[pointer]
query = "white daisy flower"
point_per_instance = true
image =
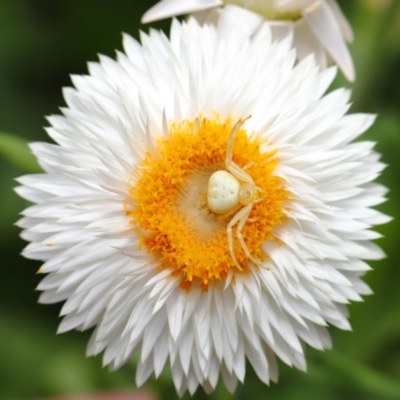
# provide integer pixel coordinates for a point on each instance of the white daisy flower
(137, 237)
(318, 26)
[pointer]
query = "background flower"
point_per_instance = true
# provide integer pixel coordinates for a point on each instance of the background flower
(318, 26)
(363, 363)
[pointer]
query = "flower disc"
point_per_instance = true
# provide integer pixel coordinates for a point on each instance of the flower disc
(171, 200)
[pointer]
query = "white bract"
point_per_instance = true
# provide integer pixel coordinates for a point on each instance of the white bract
(318, 26)
(108, 248)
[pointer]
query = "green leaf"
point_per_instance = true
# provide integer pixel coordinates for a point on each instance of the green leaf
(17, 152)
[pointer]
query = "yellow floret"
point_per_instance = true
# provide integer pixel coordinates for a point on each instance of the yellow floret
(171, 201)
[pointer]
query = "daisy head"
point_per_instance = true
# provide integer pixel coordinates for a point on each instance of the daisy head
(318, 26)
(204, 204)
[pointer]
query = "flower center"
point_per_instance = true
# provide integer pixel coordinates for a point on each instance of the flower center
(171, 214)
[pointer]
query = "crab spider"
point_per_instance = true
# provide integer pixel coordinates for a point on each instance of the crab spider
(233, 190)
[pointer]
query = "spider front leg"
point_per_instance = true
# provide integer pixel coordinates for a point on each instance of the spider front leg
(231, 138)
(239, 235)
(241, 217)
(239, 173)
(230, 165)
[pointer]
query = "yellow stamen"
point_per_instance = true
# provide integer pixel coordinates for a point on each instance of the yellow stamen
(171, 215)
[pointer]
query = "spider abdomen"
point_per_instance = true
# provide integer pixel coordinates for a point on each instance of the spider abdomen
(223, 192)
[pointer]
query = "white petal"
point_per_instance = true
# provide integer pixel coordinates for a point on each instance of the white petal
(170, 8)
(326, 28)
(234, 17)
(344, 24)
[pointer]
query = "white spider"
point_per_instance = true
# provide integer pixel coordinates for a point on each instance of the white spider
(230, 190)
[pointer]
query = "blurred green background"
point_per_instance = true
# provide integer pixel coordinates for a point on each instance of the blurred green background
(41, 43)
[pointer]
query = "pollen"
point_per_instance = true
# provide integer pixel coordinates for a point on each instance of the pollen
(171, 214)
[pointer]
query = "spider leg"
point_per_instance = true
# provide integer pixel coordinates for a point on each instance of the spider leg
(250, 164)
(244, 212)
(239, 235)
(238, 172)
(229, 144)
(230, 246)
(230, 165)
